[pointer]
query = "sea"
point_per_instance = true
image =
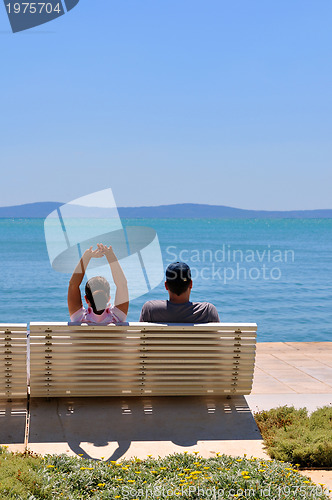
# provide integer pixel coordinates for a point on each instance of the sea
(273, 272)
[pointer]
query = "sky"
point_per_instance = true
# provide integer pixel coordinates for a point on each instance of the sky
(177, 101)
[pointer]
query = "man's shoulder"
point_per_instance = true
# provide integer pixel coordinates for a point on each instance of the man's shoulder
(155, 304)
(153, 310)
(204, 304)
(207, 310)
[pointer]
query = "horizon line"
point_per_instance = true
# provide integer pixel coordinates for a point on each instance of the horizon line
(178, 204)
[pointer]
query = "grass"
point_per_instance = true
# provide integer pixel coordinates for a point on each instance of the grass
(20, 476)
(187, 476)
(294, 436)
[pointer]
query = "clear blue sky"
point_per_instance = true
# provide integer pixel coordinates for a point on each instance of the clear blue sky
(173, 101)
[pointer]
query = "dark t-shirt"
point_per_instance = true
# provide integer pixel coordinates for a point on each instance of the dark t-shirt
(164, 311)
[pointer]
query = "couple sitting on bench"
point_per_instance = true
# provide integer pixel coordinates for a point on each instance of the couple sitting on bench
(178, 309)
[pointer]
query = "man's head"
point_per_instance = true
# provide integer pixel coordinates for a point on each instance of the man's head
(97, 293)
(178, 279)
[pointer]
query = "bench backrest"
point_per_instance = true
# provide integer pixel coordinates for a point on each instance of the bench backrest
(13, 360)
(141, 359)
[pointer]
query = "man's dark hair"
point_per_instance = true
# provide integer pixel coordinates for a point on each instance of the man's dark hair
(178, 287)
(97, 291)
(178, 277)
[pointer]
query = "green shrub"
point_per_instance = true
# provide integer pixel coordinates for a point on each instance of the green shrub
(20, 476)
(293, 436)
(187, 476)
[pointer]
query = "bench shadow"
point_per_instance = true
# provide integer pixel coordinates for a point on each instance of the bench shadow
(122, 421)
(13, 417)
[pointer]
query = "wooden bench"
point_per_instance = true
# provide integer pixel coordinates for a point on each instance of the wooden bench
(141, 359)
(13, 361)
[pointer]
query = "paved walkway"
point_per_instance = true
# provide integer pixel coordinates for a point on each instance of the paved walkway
(293, 368)
(292, 373)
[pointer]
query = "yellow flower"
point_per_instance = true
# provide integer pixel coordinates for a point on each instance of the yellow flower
(50, 466)
(206, 467)
(245, 472)
(239, 459)
(80, 454)
(131, 480)
(154, 472)
(246, 477)
(196, 452)
(137, 472)
(101, 485)
(162, 468)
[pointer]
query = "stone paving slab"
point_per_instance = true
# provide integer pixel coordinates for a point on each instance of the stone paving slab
(293, 367)
(259, 402)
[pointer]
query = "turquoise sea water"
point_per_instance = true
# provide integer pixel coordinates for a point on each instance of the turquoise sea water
(275, 272)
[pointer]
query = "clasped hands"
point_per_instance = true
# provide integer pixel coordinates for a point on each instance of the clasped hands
(101, 251)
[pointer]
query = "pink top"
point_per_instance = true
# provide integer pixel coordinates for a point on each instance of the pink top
(111, 315)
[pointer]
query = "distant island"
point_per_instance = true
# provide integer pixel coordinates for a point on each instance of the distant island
(178, 211)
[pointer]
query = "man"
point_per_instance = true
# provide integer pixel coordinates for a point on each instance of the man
(178, 309)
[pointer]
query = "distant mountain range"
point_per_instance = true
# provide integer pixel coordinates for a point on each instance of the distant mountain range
(178, 211)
